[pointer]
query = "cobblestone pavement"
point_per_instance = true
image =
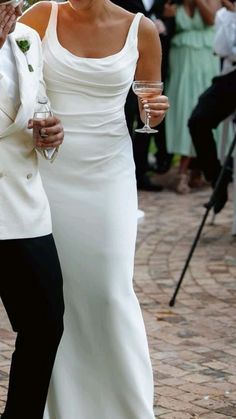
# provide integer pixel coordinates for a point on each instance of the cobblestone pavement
(193, 345)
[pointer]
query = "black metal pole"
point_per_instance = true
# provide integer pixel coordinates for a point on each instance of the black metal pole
(208, 206)
(172, 301)
(221, 175)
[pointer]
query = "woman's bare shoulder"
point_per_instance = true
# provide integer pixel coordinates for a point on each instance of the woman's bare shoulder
(37, 17)
(121, 14)
(148, 33)
(147, 28)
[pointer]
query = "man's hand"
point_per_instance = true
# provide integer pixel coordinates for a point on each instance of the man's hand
(229, 5)
(50, 133)
(7, 19)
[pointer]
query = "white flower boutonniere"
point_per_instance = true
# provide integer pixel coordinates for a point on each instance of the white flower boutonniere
(24, 45)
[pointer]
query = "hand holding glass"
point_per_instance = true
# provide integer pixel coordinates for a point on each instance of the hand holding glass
(147, 90)
(42, 112)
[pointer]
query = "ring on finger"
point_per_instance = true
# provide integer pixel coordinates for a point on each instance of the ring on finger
(42, 133)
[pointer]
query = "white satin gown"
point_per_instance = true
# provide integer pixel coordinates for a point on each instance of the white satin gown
(102, 369)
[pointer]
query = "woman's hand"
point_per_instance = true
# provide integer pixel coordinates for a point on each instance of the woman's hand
(7, 20)
(51, 133)
(155, 108)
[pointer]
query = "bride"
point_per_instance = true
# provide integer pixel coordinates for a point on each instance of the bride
(93, 49)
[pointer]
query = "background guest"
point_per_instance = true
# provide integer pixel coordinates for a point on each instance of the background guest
(162, 15)
(217, 103)
(192, 66)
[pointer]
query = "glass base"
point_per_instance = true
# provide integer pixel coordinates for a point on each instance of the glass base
(146, 130)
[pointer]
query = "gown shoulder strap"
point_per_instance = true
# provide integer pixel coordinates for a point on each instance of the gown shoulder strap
(133, 30)
(52, 23)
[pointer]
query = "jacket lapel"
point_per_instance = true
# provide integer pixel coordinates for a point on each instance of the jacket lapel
(6, 104)
(141, 6)
(157, 8)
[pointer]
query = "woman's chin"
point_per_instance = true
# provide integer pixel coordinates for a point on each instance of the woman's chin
(81, 4)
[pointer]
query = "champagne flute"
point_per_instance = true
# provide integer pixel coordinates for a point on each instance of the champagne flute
(147, 90)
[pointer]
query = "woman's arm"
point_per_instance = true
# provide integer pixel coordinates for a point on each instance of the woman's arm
(37, 17)
(149, 68)
(208, 9)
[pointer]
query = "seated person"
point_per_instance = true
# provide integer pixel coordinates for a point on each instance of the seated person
(217, 103)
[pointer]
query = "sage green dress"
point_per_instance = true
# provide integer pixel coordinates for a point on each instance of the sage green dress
(192, 66)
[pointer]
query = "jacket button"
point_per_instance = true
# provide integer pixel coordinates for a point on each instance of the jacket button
(29, 176)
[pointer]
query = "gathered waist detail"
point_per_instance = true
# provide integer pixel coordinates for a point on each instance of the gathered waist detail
(194, 38)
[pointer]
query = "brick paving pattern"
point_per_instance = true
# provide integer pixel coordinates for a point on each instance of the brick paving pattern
(193, 345)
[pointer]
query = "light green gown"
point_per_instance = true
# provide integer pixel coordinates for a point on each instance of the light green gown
(191, 68)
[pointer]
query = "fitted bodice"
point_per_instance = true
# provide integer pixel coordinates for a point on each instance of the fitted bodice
(184, 22)
(192, 31)
(91, 92)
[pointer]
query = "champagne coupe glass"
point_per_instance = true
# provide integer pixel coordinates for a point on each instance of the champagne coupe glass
(147, 90)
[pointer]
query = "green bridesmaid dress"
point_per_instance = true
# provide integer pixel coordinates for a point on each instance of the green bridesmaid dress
(191, 69)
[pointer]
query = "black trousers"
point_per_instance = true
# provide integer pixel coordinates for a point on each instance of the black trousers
(214, 105)
(32, 294)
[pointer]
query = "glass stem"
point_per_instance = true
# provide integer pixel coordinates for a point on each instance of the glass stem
(147, 121)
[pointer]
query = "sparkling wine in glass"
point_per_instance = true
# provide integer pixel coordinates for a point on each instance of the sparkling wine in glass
(147, 90)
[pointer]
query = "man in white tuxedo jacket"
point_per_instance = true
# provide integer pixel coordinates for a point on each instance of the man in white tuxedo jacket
(30, 275)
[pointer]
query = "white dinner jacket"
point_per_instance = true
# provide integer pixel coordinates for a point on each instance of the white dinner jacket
(24, 208)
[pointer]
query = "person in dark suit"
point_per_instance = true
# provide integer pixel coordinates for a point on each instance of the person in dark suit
(156, 10)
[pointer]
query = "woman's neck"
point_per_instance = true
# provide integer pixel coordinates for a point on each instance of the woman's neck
(91, 10)
(190, 7)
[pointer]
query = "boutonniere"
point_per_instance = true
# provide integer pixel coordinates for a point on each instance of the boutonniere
(24, 45)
